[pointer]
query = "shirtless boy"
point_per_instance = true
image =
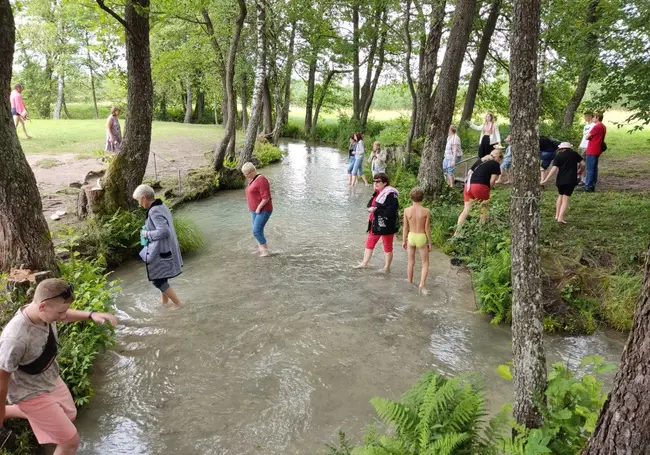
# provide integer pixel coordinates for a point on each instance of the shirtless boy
(417, 235)
(29, 373)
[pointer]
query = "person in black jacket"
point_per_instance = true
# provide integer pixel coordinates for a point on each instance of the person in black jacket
(383, 221)
(567, 163)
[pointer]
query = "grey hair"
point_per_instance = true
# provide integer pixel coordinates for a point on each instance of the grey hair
(248, 167)
(144, 191)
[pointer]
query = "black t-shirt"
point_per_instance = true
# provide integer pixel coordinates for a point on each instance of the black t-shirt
(547, 144)
(567, 162)
(351, 149)
(484, 170)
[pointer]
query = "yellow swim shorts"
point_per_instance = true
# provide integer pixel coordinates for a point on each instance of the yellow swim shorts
(417, 239)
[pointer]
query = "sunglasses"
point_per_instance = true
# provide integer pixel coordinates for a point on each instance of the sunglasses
(66, 294)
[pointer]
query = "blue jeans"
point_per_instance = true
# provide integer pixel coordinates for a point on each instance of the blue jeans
(259, 221)
(351, 164)
(592, 171)
(357, 169)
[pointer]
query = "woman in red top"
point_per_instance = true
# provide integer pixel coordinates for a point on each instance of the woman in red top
(258, 195)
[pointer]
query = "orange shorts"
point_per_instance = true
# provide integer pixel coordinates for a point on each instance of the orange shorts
(51, 415)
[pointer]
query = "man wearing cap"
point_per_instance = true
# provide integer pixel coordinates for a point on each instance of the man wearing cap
(566, 164)
(29, 373)
(18, 110)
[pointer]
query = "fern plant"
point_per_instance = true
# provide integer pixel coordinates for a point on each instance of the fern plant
(437, 416)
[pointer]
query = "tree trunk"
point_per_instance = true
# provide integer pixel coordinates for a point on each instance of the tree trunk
(163, 107)
(623, 427)
(311, 85)
(65, 108)
(428, 68)
(477, 71)
(356, 83)
(244, 101)
(92, 87)
(321, 100)
(590, 48)
(246, 153)
(199, 106)
(430, 175)
(527, 331)
(188, 101)
(24, 234)
(382, 30)
(267, 108)
(287, 76)
(409, 77)
(228, 141)
(59, 97)
(127, 169)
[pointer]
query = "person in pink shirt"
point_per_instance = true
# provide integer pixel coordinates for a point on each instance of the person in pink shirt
(18, 110)
(258, 196)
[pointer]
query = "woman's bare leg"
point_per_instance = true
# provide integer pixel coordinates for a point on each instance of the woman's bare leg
(558, 207)
(387, 261)
(367, 254)
(365, 180)
(484, 211)
(172, 295)
(164, 298)
(464, 214)
(563, 209)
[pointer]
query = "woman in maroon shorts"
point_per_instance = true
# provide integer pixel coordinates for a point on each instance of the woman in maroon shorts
(480, 179)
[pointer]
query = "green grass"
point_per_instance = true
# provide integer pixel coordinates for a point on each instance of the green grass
(83, 137)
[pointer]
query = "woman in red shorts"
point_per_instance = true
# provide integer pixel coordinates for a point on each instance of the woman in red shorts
(383, 221)
(480, 179)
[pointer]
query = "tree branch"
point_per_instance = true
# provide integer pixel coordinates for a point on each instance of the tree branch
(117, 17)
(499, 61)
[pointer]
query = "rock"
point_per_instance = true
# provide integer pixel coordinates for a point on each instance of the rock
(82, 205)
(93, 176)
(61, 212)
(55, 217)
(76, 185)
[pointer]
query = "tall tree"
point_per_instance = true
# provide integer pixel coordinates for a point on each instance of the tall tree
(127, 170)
(409, 77)
(287, 75)
(429, 176)
(624, 423)
(527, 332)
(231, 99)
(429, 47)
(246, 153)
(24, 234)
(188, 101)
(479, 63)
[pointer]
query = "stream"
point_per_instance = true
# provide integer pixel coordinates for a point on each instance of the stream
(274, 355)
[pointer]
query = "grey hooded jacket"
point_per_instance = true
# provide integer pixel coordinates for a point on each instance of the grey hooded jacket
(162, 254)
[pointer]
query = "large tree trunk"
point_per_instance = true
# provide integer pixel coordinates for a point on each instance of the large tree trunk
(428, 67)
(267, 108)
(94, 91)
(228, 141)
(409, 77)
(199, 106)
(481, 55)
(369, 92)
(590, 49)
(624, 423)
(59, 97)
(188, 101)
(65, 108)
(244, 102)
(527, 331)
(430, 174)
(321, 100)
(24, 234)
(287, 76)
(246, 153)
(311, 86)
(127, 169)
(356, 82)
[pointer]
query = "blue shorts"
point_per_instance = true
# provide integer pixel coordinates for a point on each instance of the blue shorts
(546, 158)
(350, 164)
(507, 163)
(447, 169)
(357, 168)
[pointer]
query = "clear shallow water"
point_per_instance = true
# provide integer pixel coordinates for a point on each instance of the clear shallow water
(274, 355)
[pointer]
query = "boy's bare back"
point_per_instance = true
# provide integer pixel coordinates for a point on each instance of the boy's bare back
(417, 217)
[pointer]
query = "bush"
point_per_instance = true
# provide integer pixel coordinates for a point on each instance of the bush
(395, 132)
(190, 236)
(621, 294)
(293, 130)
(266, 153)
(493, 287)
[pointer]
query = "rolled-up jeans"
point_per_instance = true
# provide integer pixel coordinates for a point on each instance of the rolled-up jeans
(259, 221)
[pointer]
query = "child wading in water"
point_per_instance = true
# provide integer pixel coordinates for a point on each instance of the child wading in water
(417, 234)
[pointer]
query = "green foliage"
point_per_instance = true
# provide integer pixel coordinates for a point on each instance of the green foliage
(492, 284)
(266, 153)
(81, 341)
(190, 236)
(395, 132)
(619, 302)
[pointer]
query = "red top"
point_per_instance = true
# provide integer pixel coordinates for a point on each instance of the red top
(373, 204)
(257, 190)
(595, 144)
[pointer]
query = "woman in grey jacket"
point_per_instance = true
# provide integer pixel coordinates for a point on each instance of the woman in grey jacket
(161, 252)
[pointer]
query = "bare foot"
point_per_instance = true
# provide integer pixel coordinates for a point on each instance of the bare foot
(265, 254)
(385, 270)
(360, 265)
(423, 291)
(561, 221)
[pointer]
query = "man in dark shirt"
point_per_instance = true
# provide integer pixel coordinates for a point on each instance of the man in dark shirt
(547, 151)
(566, 164)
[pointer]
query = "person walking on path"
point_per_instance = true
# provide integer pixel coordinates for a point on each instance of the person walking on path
(595, 147)
(161, 251)
(357, 170)
(481, 178)
(377, 159)
(113, 131)
(416, 233)
(584, 143)
(383, 221)
(351, 151)
(29, 372)
(258, 196)
(489, 135)
(453, 154)
(566, 164)
(18, 110)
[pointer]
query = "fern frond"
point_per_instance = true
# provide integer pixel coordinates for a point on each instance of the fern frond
(468, 411)
(439, 396)
(447, 444)
(393, 413)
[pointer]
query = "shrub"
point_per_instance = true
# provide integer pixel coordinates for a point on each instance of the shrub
(492, 284)
(266, 153)
(293, 130)
(395, 132)
(619, 302)
(190, 236)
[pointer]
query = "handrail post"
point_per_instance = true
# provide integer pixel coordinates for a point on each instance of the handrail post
(155, 168)
(180, 185)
